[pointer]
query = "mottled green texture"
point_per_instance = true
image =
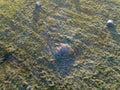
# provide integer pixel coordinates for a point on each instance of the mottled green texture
(28, 37)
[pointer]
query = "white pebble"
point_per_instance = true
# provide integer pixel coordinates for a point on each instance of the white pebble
(110, 23)
(38, 4)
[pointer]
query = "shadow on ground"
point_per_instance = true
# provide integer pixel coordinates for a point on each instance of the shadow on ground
(36, 15)
(77, 5)
(62, 67)
(114, 34)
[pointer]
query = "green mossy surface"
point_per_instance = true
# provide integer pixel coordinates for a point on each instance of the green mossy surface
(27, 45)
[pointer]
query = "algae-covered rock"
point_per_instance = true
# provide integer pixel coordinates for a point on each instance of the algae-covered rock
(88, 57)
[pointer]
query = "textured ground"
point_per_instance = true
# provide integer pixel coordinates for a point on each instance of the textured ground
(28, 37)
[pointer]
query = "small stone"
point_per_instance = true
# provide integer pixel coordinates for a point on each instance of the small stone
(38, 4)
(64, 51)
(110, 23)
